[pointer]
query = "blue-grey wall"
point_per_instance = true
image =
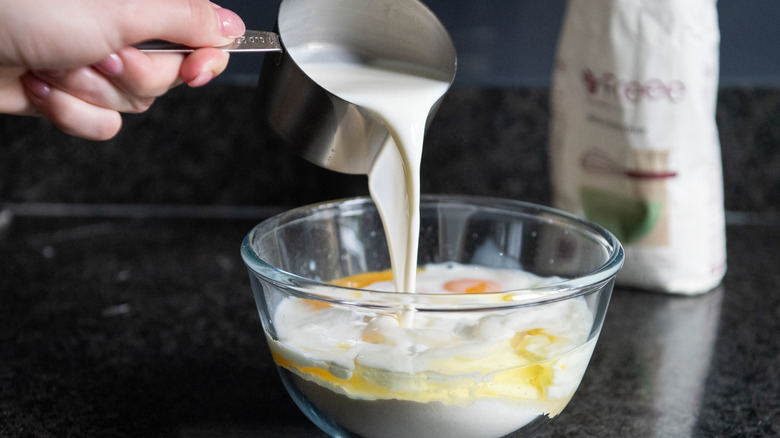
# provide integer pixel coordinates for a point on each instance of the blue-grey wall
(512, 42)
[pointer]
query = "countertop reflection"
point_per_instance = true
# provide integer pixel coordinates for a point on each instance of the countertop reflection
(147, 327)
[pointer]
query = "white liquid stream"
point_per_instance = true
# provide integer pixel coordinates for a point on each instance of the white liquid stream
(403, 102)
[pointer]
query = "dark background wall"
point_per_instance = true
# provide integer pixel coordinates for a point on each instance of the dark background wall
(512, 42)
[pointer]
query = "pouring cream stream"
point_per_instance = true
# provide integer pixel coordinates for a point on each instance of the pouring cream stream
(403, 101)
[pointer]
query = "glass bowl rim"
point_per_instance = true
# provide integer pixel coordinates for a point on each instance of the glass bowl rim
(308, 288)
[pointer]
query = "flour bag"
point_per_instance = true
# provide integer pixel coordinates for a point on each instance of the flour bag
(633, 140)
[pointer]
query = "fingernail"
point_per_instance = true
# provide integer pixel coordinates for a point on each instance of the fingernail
(230, 23)
(36, 87)
(201, 79)
(111, 65)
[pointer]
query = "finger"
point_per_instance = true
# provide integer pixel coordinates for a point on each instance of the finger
(91, 86)
(139, 76)
(129, 80)
(142, 74)
(13, 99)
(96, 28)
(197, 23)
(203, 65)
(71, 114)
(150, 75)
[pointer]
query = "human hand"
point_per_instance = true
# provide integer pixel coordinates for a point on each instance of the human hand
(72, 61)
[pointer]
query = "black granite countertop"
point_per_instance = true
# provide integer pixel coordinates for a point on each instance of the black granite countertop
(125, 309)
(147, 327)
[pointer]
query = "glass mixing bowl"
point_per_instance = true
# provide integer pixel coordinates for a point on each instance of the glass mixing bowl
(378, 363)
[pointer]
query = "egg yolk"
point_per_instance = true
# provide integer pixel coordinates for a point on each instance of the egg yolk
(360, 281)
(472, 286)
(460, 285)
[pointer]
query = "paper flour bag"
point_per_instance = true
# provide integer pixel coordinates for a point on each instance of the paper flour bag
(633, 141)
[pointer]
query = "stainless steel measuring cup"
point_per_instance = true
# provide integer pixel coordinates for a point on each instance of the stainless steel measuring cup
(319, 125)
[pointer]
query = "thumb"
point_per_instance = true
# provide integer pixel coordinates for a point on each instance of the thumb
(196, 23)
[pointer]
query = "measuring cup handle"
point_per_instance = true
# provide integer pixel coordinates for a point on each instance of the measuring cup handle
(250, 41)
